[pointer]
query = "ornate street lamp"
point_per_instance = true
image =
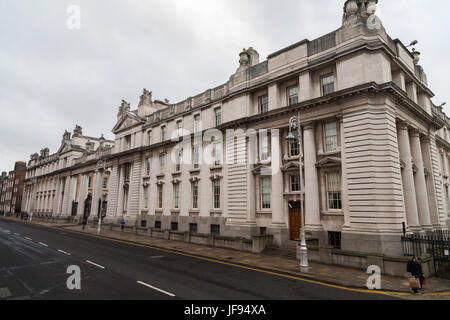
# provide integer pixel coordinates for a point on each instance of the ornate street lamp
(101, 164)
(295, 136)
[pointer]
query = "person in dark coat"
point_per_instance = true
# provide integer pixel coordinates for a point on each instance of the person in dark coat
(421, 274)
(84, 224)
(415, 269)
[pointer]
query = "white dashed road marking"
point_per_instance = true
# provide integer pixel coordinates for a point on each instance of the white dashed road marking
(43, 244)
(157, 289)
(94, 264)
(28, 238)
(64, 252)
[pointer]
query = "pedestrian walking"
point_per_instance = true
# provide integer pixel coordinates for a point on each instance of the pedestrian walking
(122, 225)
(415, 269)
(422, 277)
(84, 224)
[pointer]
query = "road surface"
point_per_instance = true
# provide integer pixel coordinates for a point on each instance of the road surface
(34, 262)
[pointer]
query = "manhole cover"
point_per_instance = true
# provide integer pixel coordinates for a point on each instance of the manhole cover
(5, 293)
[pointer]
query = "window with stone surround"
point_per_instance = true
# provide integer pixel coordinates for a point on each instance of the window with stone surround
(195, 195)
(163, 133)
(216, 194)
(145, 191)
(265, 193)
(160, 196)
(150, 137)
(263, 104)
(196, 156)
(292, 95)
(331, 136)
(334, 187)
(217, 150)
(162, 160)
(294, 183)
(148, 166)
(264, 146)
(218, 116)
(294, 149)
(327, 83)
(176, 196)
(196, 123)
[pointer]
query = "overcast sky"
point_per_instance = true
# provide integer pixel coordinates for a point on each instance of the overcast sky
(52, 78)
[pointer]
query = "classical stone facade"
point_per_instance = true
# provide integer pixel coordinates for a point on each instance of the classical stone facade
(375, 150)
(71, 183)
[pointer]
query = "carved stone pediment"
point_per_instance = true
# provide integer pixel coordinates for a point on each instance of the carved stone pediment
(291, 165)
(262, 170)
(329, 162)
(127, 120)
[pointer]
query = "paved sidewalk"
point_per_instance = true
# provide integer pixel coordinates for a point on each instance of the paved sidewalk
(342, 276)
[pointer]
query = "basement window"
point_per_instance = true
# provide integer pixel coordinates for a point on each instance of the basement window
(334, 239)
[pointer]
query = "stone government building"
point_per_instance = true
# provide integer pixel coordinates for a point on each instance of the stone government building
(375, 153)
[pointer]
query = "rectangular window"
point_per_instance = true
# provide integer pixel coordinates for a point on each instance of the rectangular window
(90, 182)
(331, 137)
(160, 197)
(195, 195)
(217, 149)
(145, 191)
(127, 143)
(150, 137)
(294, 149)
(292, 94)
(218, 116)
(176, 196)
(196, 123)
(327, 84)
(265, 193)
(263, 103)
(193, 228)
(216, 194)
(163, 133)
(105, 183)
(174, 226)
(157, 224)
(295, 183)
(127, 170)
(178, 158)
(263, 231)
(196, 157)
(263, 146)
(162, 158)
(333, 181)
(215, 229)
(143, 223)
(148, 166)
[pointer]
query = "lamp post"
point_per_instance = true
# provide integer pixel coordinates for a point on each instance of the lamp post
(101, 163)
(295, 135)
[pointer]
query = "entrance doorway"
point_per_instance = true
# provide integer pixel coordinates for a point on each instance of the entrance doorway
(295, 219)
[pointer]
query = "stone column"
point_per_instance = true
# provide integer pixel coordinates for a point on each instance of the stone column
(344, 190)
(277, 197)
(67, 198)
(113, 194)
(431, 190)
(119, 211)
(412, 214)
(312, 200)
(135, 189)
(96, 195)
(420, 183)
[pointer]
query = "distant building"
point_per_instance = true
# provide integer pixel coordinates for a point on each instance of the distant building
(3, 187)
(70, 182)
(13, 189)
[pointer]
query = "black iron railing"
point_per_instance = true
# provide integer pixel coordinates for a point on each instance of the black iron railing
(437, 245)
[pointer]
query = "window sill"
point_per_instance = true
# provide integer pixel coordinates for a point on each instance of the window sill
(333, 213)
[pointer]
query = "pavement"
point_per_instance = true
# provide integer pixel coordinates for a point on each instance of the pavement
(346, 281)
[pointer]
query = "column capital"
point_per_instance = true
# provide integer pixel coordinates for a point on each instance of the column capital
(309, 125)
(415, 133)
(402, 125)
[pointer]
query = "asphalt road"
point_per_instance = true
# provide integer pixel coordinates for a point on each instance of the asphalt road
(34, 262)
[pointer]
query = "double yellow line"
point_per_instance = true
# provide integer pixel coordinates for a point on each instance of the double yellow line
(251, 268)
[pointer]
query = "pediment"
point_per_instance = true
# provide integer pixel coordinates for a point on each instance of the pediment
(262, 170)
(329, 162)
(128, 120)
(292, 165)
(65, 146)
